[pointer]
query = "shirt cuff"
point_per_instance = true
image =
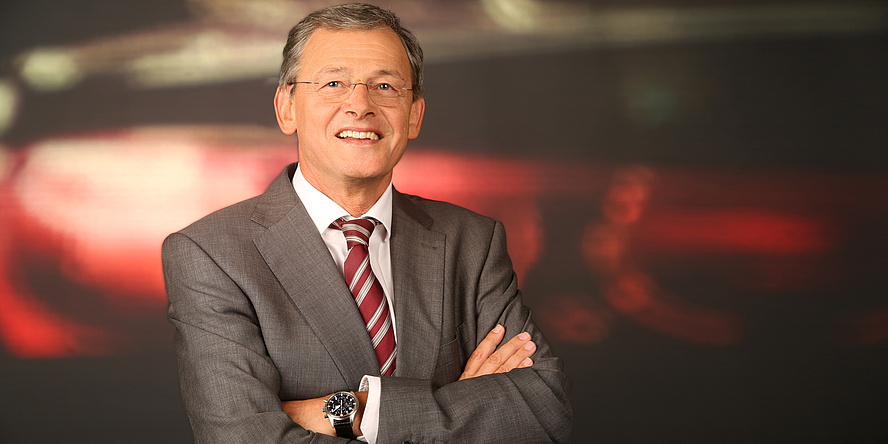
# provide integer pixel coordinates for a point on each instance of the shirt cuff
(370, 420)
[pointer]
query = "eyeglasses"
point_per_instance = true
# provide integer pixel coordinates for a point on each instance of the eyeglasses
(382, 93)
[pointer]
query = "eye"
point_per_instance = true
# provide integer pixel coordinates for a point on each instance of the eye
(334, 84)
(385, 87)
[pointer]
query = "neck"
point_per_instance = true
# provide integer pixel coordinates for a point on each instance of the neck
(354, 196)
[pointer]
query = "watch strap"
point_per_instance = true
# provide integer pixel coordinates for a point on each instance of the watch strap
(344, 428)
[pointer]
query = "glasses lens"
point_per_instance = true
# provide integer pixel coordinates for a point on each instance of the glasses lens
(384, 93)
(334, 89)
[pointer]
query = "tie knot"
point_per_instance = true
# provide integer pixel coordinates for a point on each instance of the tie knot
(356, 231)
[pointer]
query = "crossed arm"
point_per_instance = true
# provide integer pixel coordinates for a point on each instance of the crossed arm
(232, 381)
(485, 360)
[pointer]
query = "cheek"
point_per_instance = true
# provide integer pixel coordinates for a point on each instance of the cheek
(314, 117)
(399, 119)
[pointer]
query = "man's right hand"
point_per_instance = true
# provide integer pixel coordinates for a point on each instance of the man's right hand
(486, 359)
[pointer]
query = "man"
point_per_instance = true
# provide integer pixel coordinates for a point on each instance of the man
(268, 331)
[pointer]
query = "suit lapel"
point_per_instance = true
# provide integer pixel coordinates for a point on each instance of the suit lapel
(297, 255)
(418, 274)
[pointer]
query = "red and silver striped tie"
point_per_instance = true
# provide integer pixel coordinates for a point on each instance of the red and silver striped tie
(367, 291)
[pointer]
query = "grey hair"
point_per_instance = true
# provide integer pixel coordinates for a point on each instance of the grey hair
(353, 16)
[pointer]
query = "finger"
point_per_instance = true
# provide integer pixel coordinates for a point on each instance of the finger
(483, 351)
(519, 359)
(496, 360)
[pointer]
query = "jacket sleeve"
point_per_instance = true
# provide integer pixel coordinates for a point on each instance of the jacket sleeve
(526, 405)
(229, 384)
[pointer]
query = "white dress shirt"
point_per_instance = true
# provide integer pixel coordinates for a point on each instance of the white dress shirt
(323, 211)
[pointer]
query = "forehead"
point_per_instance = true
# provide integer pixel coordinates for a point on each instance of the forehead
(355, 52)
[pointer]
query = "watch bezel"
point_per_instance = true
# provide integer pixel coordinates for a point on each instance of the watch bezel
(350, 414)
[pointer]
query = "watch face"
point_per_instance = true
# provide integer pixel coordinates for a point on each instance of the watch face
(341, 404)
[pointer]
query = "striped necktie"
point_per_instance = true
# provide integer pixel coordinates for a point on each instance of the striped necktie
(367, 291)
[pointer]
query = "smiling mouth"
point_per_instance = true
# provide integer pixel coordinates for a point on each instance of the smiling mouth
(359, 135)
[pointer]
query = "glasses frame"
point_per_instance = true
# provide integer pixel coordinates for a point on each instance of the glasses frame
(353, 86)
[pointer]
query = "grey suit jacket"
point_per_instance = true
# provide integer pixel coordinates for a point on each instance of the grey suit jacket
(262, 314)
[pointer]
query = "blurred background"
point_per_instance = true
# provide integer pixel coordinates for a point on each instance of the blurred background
(695, 194)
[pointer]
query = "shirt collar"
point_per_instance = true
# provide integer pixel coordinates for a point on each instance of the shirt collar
(323, 211)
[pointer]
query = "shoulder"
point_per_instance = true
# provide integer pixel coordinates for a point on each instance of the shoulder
(464, 229)
(234, 217)
(226, 226)
(243, 221)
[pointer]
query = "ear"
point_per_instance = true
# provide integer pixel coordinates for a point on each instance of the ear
(417, 111)
(283, 109)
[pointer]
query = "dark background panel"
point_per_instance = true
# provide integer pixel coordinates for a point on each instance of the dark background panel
(698, 218)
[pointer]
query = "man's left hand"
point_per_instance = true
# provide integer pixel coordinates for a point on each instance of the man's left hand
(487, 359)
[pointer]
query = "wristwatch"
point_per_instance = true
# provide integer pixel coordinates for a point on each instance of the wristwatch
(340, 407)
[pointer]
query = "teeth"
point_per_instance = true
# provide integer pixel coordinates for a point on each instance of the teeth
(359, 135)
